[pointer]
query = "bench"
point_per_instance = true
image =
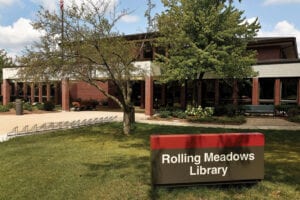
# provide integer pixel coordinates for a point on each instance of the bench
(259, 109)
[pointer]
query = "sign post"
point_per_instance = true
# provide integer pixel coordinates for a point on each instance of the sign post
(207, 158)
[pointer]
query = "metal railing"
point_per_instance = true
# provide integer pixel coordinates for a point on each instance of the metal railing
(52, 126)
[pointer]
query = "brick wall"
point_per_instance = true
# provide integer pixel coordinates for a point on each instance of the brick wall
(85, 91)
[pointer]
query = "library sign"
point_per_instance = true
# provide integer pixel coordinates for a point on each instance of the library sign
(207, 158)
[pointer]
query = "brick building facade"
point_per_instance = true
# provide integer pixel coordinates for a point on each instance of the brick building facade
(278, 82)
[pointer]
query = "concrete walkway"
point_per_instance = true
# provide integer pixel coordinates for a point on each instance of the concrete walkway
(8, 122)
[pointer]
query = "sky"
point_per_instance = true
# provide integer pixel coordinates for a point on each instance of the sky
(277, 18)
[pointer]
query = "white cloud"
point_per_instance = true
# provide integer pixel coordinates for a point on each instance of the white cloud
(272, 2)
(7, 2)
(130, 18)
(16, 37)
(283, 29)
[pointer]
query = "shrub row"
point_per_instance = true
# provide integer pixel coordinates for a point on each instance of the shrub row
(4, 108)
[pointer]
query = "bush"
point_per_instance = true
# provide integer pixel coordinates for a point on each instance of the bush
(165, 114)
(199, 112)
(295, 118)
(292, 112)
(39, 106)
(49, 106)
(88, 104)
(4, 108)
(179, 114)
(27, 106)
(10, 105)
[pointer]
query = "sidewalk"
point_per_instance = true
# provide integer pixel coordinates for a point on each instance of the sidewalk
(8, 122)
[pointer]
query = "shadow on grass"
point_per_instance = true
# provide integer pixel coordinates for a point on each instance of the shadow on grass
(120, 167)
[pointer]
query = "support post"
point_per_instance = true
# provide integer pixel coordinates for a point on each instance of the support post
(142, 105)
(40, 93)
(6, 92)
(277, 92)
(149, 96)
(65, 95)
(32, 93)
(255, 91)
(48, 91)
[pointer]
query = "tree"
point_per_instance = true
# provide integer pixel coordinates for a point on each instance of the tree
(205, 36)
(89, 49)
(5, 61)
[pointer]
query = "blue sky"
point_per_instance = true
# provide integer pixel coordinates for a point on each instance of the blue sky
(277, 18)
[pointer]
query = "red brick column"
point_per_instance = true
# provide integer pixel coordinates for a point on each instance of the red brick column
(277, 92)
(6, 92)
(142, 106)
(255, 91)
(149, 95)
(235, 91)
(40, 93)
(32, 92)
(65, 94)
(48, 91)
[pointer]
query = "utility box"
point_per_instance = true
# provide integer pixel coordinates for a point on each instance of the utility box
(19, 107)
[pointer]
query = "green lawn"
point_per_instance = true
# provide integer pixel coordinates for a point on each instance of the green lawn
(100, 163)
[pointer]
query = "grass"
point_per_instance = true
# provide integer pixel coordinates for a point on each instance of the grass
(98, 162)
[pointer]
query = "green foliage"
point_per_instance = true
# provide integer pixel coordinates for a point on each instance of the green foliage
(5, 61)
(49, 106)
(293, 111)
(204, 36)
(27, 106)
(199, 112)
(179, 114)
(39, 106)
(4, 108)
(295, 118)
(10, 105)
(165, 114)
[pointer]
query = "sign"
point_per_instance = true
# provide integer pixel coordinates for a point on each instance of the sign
(207, 158)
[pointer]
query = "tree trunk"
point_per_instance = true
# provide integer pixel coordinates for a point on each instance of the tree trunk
(128, 119)
(126, 122)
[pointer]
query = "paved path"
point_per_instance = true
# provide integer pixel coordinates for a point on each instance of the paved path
(8, 122)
